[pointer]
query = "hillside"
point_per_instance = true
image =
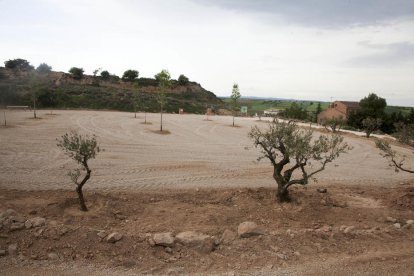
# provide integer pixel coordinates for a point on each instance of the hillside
(61, 90)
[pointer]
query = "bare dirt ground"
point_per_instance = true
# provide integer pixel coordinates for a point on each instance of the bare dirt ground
(201, 177)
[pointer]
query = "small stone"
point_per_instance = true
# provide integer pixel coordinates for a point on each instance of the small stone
(2, 252)
(201, 242)
(391, 219)
(249, 228)
(114, 237)
(397, 225)
(102, 234)
(28, 224)
(410, 221)
(326, 228)
(322, 190)
(38, 221)
(282, 256)
(8, 213)
(163, 239)
(151, 241)
(275, 248)
(19, 219)
(52, 256)
(12, 249)
(349, 229)
(120, 217)
(16, 226)
(227, 237)
(168, 250)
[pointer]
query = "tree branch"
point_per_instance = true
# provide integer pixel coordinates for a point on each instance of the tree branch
(399, 166)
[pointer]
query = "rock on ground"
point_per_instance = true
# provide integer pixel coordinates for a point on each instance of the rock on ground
(38, 221)
(12, 249)
(101, 234)
(249, 228)
(8, 213)
(163, 239)
(203, 243)
(227, 237)
(391, 219)
(52, 256)
(16, 226)
(113, 237)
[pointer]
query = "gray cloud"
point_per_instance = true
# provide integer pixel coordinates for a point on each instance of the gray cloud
(323, 13)
(384, 54)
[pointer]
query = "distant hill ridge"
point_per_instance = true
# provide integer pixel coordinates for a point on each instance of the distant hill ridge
(61, 90)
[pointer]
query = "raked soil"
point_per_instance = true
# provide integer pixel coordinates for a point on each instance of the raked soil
(202, 176)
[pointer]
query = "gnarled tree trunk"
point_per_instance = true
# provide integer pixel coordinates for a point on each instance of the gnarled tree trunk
(81, 199)
(282, 194)
(80, 186)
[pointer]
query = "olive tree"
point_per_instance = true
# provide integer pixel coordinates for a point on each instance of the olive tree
(164, 82)
(34, 85)
(405, 133)
(105, 75)
(391, 155)
(76, 72)
(136, 95)
(235, 99)
(183, 80)
(370, 125)
(334, 124)
(18, 64)
(130, 75)
(43, 68)
(290, 148)
(80, 148)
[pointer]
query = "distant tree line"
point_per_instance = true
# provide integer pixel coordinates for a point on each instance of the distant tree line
(33, 87)
(130, 75)
(371, 116)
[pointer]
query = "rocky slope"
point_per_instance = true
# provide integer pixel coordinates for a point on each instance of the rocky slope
(61, 90)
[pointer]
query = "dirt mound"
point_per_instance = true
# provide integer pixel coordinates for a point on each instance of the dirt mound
(347, 224)
(405, 200)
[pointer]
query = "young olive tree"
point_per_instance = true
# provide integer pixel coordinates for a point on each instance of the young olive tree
(285, 144)
(136, 95)
(76, 72)
(371, 124)
(34, 85)
(235, 99)
(405, 133)
(391, 155)
(334, 124)
(164, 82)
(80, 148)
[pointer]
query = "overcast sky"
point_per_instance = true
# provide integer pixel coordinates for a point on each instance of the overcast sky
(310, 49)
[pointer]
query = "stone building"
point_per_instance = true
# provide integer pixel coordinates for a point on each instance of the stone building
(338, 110)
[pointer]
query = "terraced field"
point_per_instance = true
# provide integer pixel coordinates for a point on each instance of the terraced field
(198, 153)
